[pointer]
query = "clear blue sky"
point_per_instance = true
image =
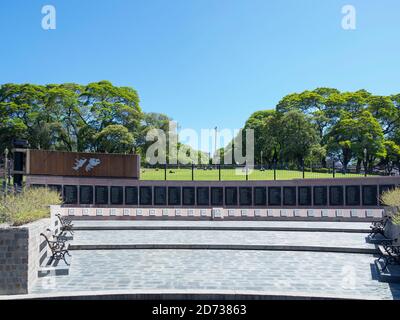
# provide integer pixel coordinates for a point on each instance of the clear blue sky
(204, 62)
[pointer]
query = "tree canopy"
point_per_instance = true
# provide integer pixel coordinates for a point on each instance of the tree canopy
(319, 126)
(98, 117)
(326, 124)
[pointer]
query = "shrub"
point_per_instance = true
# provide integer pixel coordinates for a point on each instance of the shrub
(317, 170)
(30, 205)
(391, 198)
(323, 170)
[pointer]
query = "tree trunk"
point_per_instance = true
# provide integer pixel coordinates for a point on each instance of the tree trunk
(323, 162)
(358, 166)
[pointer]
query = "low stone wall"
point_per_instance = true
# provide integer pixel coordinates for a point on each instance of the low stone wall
(22, 249)
(219, 213)
(392, 231)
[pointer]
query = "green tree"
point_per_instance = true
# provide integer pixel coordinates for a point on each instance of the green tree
(107, 105)
(352, 136)
(369, 138)
(340, 140)
(385, 111)
(299, 136)
(264, 123)
(114, 138)
(392, 156)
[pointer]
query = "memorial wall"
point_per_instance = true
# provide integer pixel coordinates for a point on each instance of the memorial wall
(91, 179)
(312, 193)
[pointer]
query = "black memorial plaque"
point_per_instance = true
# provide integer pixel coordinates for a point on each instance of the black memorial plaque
(55, 187)
(320, 196)
(353, 195)
(117, 195)
(260, 196)
(70, 194)
(336, 196)
(203, 196)
(217, 196)
(189, 196)
(101, 195)
(174, 196)
(38, 186)
(245, 196)
(274, 196)
(383, 188)
(145, 196)
(304, 196)
(289, 196)
(231, 196)
(131, 196)
(86, 194)
(370, 195)
(160, 196)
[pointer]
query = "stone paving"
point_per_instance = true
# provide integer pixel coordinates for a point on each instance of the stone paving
(228, 224)
(285, 238)
(314, 273)
(303, 273)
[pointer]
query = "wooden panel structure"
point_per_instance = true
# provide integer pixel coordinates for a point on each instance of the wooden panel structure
(77, 164)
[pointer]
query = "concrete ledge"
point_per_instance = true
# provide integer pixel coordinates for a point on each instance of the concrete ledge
(188, 294)
(221, 247)
(294, 229)
(226, 218)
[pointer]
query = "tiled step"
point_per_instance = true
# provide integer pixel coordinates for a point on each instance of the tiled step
(345, 227)
(222, 247)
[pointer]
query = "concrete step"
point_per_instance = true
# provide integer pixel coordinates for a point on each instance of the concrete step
(294, 229)
(221, 247)
(344, 227)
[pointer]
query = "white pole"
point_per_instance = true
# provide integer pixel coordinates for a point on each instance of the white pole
(216, 132)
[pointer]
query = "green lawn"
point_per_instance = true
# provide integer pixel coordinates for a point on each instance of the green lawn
(230, 174)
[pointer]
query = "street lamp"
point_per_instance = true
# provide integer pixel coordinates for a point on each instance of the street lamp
(365, 161)
(5, 168)
(215, 141)
(261, 162)
(178, 127)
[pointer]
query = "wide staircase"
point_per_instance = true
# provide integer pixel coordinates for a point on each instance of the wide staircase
(228, 259)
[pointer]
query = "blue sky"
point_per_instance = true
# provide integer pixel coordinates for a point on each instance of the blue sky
(204, 62)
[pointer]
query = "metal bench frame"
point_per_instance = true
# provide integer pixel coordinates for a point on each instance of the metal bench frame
(58, 249)
(378, 227)
(59, 238)
(66, 224)
(389, 253)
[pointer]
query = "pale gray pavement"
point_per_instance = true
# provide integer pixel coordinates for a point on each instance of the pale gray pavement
(294, 272)
(286, 238)
(324, 274)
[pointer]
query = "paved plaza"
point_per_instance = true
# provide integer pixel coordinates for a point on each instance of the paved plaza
(273, 273)
(296, 273)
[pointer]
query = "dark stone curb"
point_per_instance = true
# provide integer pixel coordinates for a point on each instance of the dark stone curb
(292, 229)
(220, 247)
(390, 275)
(181, 295)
